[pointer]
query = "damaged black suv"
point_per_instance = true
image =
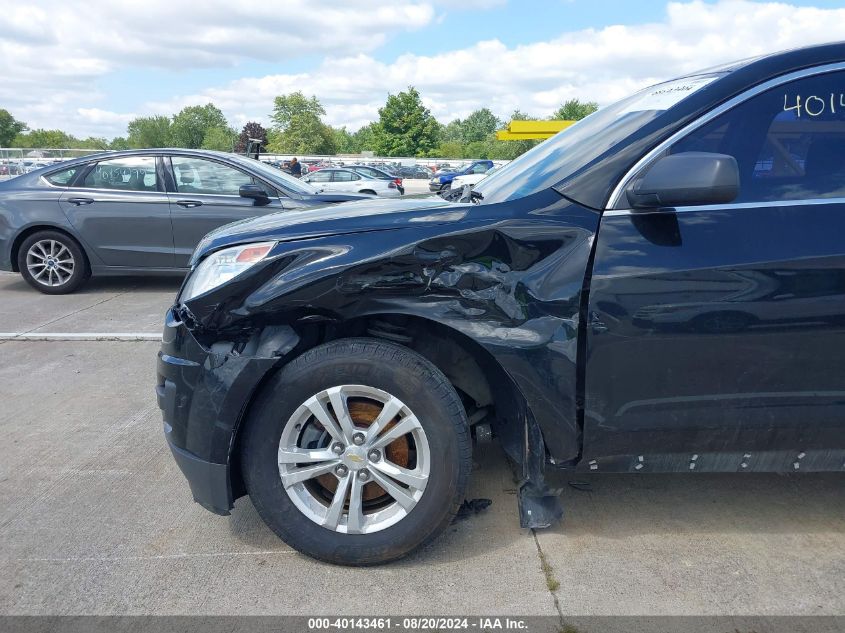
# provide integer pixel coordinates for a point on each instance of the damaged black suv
(659, 288)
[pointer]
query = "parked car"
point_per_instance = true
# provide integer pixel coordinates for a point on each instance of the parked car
(416, 173)
(442, 180)
(134, 212)
(10, 169)
(380, 173)
(349, 180)
(471, 179)
(332, 364)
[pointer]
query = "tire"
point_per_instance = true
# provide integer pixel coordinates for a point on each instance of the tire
(53, 263)
(440, 448)
(369, 191)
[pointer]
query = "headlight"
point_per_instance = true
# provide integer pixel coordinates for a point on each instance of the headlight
(218, 268)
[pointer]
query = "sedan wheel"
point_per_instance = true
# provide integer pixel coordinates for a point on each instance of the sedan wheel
(358, 452)
(52, 262)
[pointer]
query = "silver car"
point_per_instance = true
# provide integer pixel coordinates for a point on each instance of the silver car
(350, 181)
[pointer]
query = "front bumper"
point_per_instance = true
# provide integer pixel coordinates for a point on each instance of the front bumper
(434, 186)
(210, 483)
(203, 394)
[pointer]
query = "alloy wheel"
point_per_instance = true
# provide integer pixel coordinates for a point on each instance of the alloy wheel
(354, 459)
(50, 263)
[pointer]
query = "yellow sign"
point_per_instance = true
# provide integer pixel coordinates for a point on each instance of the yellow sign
(523, 130)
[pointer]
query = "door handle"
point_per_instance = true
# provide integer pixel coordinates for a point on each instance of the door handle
(80, 201)
(189, 204)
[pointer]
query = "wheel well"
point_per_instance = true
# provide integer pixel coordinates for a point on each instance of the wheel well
(370, 191)
(16, 244)
(473, 371)
(485, 389)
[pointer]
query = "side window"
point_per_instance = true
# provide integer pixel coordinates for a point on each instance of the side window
(197, 175)
(61, 178)
(789, 142)
(343, 176)
(130, 173)
(479, 169)
(323, 175)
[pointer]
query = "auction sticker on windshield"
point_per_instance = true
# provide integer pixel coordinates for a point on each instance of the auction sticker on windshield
(664, 96)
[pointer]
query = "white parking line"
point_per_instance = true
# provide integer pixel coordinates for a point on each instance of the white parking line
(160, 557)
(80, 336)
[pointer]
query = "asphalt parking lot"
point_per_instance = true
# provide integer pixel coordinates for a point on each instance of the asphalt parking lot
(95, 517)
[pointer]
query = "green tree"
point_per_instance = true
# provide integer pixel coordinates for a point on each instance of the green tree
(285, 107)
(453, 132)
(406, 127)
(478, 149)
(92, 142)
(119, 142)
(344, 142)
(149, 131)
(479, 126)
(575, 110)
(10, 127)
(190, 126)
(298, 128)
(220, 138)
(45, 138)
(365, 137)
(305, 134)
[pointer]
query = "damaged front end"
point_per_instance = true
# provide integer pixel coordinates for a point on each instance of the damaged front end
(202, 393)
(493, 299)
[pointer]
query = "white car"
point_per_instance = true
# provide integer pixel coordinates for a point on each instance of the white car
(470, 179)
(349, 181)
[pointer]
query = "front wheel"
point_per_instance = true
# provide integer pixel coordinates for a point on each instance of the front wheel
(52, 262)
(357, 452)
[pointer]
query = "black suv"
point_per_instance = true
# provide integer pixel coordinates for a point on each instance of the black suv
(659, 288)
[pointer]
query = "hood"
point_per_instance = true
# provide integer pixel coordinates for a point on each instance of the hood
(371, 214)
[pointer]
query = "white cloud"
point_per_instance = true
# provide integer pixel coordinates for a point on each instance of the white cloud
(601, 65)
(596, 64)
(52, 53)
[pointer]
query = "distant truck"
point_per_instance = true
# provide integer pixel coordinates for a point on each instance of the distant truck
(442, 180)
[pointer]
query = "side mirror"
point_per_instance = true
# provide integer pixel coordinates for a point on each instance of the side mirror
(253, 191)
(688, 178)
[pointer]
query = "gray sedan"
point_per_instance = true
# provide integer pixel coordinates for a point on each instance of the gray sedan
(134, 212)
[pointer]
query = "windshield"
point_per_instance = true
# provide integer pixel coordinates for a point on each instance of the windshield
(275, 176)
(554, 160)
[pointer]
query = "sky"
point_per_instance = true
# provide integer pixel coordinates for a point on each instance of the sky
(89, 67)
